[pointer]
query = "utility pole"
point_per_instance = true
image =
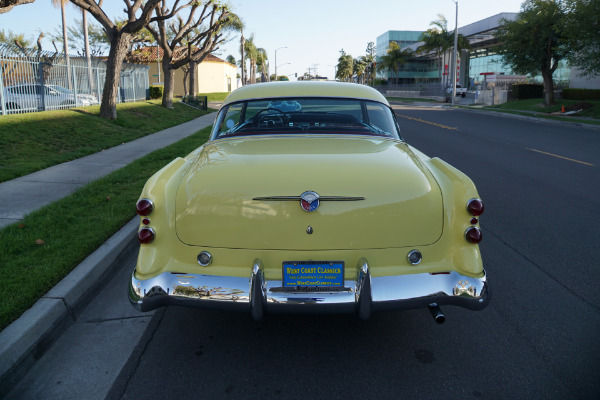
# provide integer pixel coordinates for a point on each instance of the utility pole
(454, 54)
(276, 61)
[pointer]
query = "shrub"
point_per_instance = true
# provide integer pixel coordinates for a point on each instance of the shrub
(522, 91)
(156, 92)
(581, 94)
(582, 105)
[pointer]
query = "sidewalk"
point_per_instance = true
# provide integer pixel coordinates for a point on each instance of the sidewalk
(26, 339)
(28, 193)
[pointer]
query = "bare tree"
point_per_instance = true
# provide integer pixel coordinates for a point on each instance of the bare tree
(201, 34)
(120, 37)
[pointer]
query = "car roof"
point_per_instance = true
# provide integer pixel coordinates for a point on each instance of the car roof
(305, 89)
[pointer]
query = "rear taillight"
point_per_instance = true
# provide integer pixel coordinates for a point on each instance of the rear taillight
(473, 235)
(144, 207)
(475, 207)
(146, 235)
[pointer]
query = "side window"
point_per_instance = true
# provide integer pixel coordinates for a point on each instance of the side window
(381, 117)
(230, 119)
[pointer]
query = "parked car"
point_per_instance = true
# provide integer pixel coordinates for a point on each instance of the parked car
(28, 97)
(460, 91)
(307, 199)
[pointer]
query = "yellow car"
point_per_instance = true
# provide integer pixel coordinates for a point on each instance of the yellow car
(306, 199)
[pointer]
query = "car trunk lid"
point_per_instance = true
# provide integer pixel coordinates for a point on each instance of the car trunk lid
(221, 199)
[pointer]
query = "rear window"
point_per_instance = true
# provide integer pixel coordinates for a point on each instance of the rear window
(307, 116)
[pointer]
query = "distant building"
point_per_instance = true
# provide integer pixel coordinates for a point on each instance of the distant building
(475, 67)
(212, 74)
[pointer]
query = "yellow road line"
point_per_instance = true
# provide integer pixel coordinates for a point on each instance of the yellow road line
(564, 158)
(452, 128)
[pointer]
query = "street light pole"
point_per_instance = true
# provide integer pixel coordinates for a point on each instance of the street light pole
(454, 54)
(276, 61)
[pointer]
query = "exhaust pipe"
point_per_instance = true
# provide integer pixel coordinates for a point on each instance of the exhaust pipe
(437, 314)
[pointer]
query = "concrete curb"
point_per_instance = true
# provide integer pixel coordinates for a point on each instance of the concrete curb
(26, 339)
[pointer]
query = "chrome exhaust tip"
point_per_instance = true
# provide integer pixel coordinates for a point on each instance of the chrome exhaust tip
(437, 314)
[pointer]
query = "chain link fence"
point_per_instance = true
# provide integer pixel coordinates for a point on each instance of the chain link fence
(32, 80)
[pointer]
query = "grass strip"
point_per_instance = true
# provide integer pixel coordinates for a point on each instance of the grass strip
(38, 252)
(412, 99)
(540, 115)
(34, 141)
(589, 108)
(217, 96)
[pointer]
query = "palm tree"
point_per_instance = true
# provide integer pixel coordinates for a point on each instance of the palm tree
(359, 67)
(61, 4)
(251, 55)
(263, 64)
(440, 41)
(369, 59)
(345, 67)
(394, 59)
(235, 23)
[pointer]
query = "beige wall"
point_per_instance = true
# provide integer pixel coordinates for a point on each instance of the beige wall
(212, 77)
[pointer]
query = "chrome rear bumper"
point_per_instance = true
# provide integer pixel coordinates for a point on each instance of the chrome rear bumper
(362, 295)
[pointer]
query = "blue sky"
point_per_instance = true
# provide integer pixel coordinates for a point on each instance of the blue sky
(312, 31)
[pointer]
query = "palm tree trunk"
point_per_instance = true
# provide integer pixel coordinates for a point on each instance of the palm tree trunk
(87, 48)
(243, 61)
(66, 44)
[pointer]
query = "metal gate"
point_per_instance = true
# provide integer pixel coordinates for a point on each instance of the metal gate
(32, 80)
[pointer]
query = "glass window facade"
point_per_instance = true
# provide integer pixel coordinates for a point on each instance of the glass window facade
(481, 59)
(417, 70)
(403, 38)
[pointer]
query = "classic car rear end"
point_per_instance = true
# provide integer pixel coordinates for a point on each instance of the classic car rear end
(306, 199)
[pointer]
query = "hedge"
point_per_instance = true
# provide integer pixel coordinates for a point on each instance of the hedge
(581, 94)
(156, 92)
(522, 91)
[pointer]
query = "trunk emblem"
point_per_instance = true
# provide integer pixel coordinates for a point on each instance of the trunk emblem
(309, 201)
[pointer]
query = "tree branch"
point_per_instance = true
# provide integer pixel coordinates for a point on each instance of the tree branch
(7, 5)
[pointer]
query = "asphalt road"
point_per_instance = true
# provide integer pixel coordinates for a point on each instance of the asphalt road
(538, 338)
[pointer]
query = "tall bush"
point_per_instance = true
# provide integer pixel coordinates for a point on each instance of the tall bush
(581, 94)
(156, 92)
(522, 91)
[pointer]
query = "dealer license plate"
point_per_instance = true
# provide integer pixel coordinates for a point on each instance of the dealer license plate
(311, 275)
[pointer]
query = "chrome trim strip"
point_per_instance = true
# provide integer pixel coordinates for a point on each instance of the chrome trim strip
(257, 295)
(287, 96)
(322, 198)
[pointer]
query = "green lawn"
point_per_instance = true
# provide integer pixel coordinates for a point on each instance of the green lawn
(34, 141)
(592, 108)
(38, 252)
(217, 96)
(411, 99)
